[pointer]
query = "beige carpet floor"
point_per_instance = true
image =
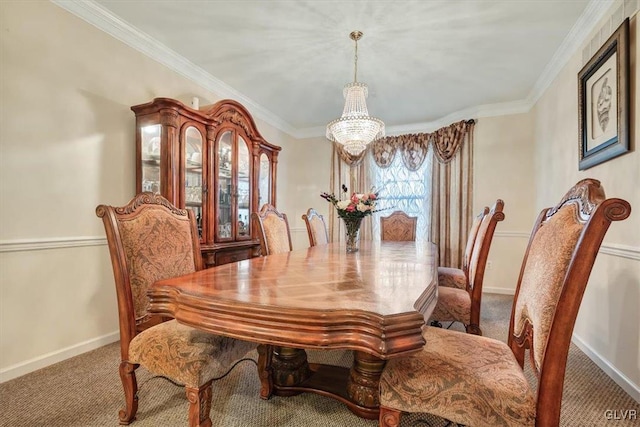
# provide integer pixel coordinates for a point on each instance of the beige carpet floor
(85, 391)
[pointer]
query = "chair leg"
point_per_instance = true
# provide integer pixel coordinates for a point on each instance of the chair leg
(265, 370)
(473, 329)
(199, 405)
(389, 417)
(130, 385)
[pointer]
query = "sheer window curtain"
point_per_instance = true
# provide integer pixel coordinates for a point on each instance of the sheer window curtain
(435, 174)
(405, 190)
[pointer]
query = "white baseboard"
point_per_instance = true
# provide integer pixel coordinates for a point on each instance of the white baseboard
(502, 291)
(43, 361)
(627, 385)
(618, 377)
(32, 365)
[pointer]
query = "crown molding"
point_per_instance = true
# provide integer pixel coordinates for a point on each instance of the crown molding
(487, 110)
(101, 18)
(593, 13)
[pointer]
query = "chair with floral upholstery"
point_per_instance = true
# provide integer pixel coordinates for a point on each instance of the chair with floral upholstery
(149, 240)
(273, 230)
(452, 277)
(398, 227)
(463, 305)
(478, 381)
(316, 228)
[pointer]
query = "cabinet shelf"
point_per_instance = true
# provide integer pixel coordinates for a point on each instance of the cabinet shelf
(212, 151)
(151, 162)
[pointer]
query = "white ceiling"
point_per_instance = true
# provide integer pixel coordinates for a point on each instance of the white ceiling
(424, 61)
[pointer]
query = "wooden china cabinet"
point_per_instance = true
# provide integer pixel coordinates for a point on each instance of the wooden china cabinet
(212, 160)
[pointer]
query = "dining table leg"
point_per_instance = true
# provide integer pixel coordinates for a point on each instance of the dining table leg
(290, 366)
(364, 379)
(285, 371)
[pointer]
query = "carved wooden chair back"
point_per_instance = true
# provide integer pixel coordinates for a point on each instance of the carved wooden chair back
(316, 228)
(471, 239)
(562, 249)
(273, 230)
(480, 255)
(555, 270)
(463, 305)
(149, 240)
(453, 277)
(398, 226)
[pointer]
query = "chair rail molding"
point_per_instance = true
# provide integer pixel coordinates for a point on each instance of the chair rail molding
(622, 251)
(614, 249)
(22, 245)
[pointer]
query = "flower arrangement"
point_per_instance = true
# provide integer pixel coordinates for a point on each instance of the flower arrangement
(355, 206)
(352, 210)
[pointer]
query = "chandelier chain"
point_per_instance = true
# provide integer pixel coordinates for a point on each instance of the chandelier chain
(355, 72)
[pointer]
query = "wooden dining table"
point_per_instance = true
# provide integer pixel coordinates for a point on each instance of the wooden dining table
(373, 302)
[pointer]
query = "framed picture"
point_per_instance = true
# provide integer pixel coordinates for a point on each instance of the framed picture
(603, 101)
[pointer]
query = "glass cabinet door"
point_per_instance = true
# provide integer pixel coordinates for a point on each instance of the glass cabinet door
(150, 149)
(264, 181)
(224, 190)
(193, 195)
(243, 193)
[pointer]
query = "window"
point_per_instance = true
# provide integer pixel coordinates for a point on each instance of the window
(403, 190)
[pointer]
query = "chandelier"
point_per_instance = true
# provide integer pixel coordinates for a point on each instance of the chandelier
(355, 129)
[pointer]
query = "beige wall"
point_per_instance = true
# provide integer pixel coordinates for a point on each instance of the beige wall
(607, 325)
(308, 163)
(503, 170)
(66, 141)
(67, 145)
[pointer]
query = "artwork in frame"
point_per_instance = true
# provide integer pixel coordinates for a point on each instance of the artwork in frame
(603, 101)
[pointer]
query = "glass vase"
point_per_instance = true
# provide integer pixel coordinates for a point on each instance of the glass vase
(352, 229)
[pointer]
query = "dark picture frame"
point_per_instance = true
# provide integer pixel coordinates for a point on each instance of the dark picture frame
(603, 101)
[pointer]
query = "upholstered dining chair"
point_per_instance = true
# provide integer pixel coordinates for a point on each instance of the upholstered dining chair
(463, 305)
(316, 228)
(398, 226)
(273, 230)
(452, 277)
(478, 381)
(149, 240)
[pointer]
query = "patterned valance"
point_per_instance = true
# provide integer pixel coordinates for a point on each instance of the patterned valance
(349, 159)
(446, 142)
